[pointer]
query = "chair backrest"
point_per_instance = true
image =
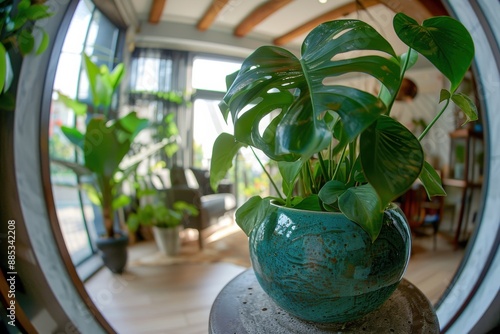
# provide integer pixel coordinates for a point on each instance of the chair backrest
(180, 176)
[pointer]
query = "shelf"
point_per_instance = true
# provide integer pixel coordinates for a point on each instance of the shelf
(460, 183)
(465, 133)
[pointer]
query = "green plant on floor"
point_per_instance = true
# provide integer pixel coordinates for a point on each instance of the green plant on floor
(105, 143)
(17, 34)
(338, 144)
(160, 215)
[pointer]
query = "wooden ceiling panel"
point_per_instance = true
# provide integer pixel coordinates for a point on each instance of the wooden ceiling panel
(258, 15)
(156, 11)
(211, 14)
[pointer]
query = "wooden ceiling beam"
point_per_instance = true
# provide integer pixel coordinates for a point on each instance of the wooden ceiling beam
(156, 11)
(331, 15)
(417, 9)
(258, 15)
(211, 14)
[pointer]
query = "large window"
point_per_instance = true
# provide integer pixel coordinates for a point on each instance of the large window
(90, 32)
(209, 80)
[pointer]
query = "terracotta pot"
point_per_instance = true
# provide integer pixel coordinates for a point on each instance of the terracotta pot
(322, 267)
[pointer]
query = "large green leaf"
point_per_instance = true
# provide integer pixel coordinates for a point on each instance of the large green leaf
(362, 205)
(267, 76)
(445, 42)
(92, 71)
(391, 157)
(224, 150)
(105, 145)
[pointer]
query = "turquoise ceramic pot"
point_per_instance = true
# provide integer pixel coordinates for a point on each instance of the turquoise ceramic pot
(322, 267)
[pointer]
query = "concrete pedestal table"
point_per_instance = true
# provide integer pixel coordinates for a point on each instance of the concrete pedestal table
(242, 307)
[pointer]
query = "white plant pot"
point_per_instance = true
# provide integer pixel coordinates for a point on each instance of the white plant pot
(168, 239)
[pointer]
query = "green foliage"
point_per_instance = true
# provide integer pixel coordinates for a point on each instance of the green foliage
(105, 143)
(17, 34)
(160, 215)
(352, 156)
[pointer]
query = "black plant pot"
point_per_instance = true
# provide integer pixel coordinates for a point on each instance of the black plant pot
(113, 252)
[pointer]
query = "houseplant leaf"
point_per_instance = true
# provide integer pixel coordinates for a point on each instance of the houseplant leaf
(75, 137)
(3, 67)
(253, 212)
(431, 181)
(120, 201)
(26, 42)
(331, 191)
(289, 171)
(467, 105)
(93, 72)
(224, 150)
(271, 69)
(44, 43)
(362, 205)
(79, 108)
(391, 157)
(445, 42)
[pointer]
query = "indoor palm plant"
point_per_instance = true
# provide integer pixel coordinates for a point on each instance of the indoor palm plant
(343, 159)
(104, 144)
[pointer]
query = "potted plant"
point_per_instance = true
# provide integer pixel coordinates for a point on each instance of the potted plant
(331, 246)
(165, 222)
(104, 145)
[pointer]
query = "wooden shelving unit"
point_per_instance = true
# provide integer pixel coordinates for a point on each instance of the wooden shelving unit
(470, 179)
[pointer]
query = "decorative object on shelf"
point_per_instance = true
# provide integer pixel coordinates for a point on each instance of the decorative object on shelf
(338, 150)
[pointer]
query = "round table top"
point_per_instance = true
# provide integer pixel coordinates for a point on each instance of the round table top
(242, 307)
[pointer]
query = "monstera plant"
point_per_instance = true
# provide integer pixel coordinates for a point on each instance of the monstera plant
(340, 143)
(331, 246)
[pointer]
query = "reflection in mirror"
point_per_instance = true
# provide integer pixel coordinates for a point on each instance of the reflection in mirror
(91, 32)
(172, 287)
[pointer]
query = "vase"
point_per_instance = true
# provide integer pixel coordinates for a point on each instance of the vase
(113, 252)
(168, 239)
(324, 268)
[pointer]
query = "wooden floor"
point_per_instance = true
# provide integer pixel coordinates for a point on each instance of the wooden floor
(175, 298)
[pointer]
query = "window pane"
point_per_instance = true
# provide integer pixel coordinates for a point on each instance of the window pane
(211, 74)
(69, 214)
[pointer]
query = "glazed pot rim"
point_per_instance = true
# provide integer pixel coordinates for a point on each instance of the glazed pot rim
(390, 207)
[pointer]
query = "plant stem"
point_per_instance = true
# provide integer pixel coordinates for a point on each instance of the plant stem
(323, 167)
(337, 168)
(267, 174)
(403, 71)
(434, 120)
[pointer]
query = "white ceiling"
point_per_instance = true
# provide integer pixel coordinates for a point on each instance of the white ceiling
(177, 28)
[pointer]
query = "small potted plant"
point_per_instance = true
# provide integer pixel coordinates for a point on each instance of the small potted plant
(166, 223)
(331, 246)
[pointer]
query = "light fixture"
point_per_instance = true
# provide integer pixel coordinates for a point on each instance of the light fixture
(322, 1)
